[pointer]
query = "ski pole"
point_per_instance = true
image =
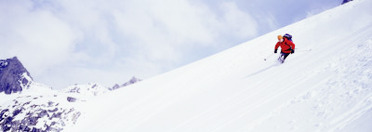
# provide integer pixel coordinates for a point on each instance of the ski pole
(268, 56)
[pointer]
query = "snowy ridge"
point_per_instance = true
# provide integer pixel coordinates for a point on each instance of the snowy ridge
(91, 89)
(40, 108)
(130, 82)
(94, 89)
(37, 109)
(325, 86)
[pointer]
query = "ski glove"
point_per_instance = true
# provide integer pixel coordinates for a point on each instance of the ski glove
(292, 51)
(275, 50)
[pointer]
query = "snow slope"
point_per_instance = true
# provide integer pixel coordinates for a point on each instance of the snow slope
(325, 86)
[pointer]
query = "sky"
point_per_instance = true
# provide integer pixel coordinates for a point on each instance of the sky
(64, 42)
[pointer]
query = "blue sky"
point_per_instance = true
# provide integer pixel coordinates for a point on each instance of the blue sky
(65, 42)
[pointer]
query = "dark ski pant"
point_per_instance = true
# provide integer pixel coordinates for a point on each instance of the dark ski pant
(283, 56)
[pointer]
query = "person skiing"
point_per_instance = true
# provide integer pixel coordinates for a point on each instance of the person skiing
(286, 45)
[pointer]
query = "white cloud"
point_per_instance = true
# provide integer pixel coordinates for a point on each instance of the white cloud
(241, 24)
(65, 42)
(160, 29)
(144, 37)
(37, 37)
(164, 30)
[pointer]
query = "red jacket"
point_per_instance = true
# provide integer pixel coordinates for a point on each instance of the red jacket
(286, 45)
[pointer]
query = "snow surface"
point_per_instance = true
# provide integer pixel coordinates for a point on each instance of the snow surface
(325, 86)
(28, 78)
(39, 108)
(3, 63)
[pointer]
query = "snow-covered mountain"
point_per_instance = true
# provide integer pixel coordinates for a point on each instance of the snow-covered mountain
(38, 108)
(94, 89)
(326, 85)
(33, 107)
(91, 89)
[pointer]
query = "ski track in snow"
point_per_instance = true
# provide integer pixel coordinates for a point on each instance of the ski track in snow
(325, 86)
(349, 90)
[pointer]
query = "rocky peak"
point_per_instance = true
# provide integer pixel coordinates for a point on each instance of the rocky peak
(13, 76)
(130, 82)
(345, 1)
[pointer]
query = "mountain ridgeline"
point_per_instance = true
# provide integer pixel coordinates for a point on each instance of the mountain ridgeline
(36, 107)
(13, 76)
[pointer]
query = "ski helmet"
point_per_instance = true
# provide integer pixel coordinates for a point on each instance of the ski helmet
(280, 37)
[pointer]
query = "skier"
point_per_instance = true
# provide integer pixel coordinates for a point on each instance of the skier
(286, 45)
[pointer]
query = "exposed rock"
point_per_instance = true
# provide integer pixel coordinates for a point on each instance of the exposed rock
(71, 99)
(39, 115)
(13, 76)
(116, 86)
(130, 82)
(345, 1)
